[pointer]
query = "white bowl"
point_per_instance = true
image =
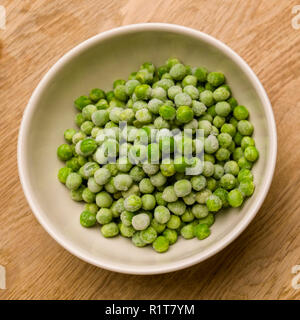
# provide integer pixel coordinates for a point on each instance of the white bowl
(96, 63)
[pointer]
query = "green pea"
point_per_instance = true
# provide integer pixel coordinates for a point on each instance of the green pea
(235, 198)
(110, 230)
(161, 244)
(201, 231)
(87, 219)
(64, 152)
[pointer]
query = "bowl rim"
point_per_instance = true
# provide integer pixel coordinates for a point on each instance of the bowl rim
(168, 266)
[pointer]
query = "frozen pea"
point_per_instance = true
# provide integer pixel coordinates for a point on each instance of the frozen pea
(148, 235)
(63, 174)
(187, 232)
(87, 219)
(201, 231)
(190, 199)
(170, 235)
(182, 188)
(126, 218)
(73, 181)
(246, 187)
(161, 244)
(126, 231)
(247, 142)
(188, 216)
(146, 186)
(137, 174)
(203, 195)
(206, 126)
(199, 211)
(88, 110)
(159, 93)
(104, 199)
(209, 220)
(224, 139)
(81, 102)
(122, 182)
(154, 105)
(173, 91)
(214, 203)
(211, 144)
(102, 176)
(189, 80)
(198, 108)
(88, 196)
(228, 181)
(110, 230)
(88, 169)
(137, 241)
(223, 154)
(219, 171)
(158, 179)
(218, 121)
(222, 194)
(64, 152)
(231, 167)
(221, 94)
(91, 207)
(100, 117)
(237, 154)
(150, 168)
(140, 221)
(76, 195)
(143, 91)
(134, 189)
(160, 123)
(229, 129)
(178, 71)
(148, 202)
(178, 207)
(167, 168)
(223, 108)
(104, 216)
(192, 91)
(216, 78)
(208, 169)
(207, 98)
(235, 198)
(133, 203)
(245, 128)
(162, 214)
(174, 222)
(251, 153)
(240, 113)
(183, 99)
(68, 135)
(159, 227)
(244, 163)
(198, 183)
(245, 174)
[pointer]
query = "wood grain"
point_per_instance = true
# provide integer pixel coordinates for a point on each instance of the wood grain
(258, 264)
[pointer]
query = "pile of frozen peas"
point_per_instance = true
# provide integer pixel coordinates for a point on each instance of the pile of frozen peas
(134, 179)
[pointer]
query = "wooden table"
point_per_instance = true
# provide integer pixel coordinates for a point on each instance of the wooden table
(258, 264)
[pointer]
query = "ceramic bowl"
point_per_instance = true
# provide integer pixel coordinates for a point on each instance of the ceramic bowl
(97, 62)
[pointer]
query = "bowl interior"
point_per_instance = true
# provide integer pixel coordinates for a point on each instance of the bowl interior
(97, 64)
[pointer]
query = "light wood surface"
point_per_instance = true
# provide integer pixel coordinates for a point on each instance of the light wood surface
(258, 264)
